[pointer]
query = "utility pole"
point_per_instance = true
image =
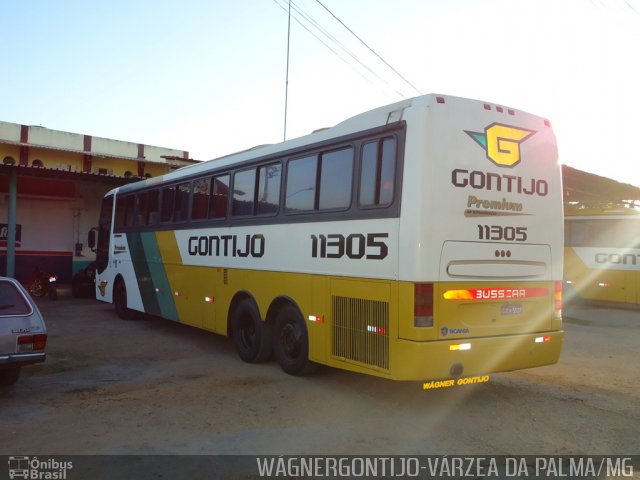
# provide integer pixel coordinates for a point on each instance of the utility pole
(286, 89)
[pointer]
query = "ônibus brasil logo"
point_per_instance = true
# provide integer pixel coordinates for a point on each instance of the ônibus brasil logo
(502, 143)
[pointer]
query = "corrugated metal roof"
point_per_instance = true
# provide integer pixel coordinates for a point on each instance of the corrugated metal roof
(69, 174)
(178, 162)
(589, 188)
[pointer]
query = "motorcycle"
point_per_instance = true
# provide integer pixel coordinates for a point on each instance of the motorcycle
(43, 283)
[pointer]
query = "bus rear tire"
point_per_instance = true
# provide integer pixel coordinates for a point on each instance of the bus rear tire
(291, 342)
(120, 302)
(251, 336)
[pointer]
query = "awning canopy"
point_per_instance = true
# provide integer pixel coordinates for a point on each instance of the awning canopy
(593, 190)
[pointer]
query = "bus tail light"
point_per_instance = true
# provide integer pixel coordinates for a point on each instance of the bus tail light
(558, 296)
(423, 305)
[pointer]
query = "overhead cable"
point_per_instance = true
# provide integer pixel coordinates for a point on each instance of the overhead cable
(370, 49)
(299, 13)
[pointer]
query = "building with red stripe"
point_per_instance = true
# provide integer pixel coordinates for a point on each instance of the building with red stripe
(51, 186)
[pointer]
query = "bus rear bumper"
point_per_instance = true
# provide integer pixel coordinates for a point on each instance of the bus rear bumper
(465, 357)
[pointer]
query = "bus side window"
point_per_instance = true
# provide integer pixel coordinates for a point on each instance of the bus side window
(154, 207)
(269, 189)
(143, 207)
(219, 197)
(301, 184)
(244, 186)
(588, 233)
(168, 201)
(387, 171)
(124, 211)
(377, 175)
(200, 200)
(336, 176)
(182, 202)
(626, 233)
(147, 208)
(567, 233)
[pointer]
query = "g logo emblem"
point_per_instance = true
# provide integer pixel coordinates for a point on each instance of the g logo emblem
(102, 287)
(502, 143)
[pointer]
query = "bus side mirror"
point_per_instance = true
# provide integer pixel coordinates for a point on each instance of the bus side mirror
(92, 239)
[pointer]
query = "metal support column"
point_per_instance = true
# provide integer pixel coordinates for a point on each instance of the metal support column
(11, 223)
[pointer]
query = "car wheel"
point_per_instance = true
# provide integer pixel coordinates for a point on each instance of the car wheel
(9, 376)
(251, 336)
(291, 342)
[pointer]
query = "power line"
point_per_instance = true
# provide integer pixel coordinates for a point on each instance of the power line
(320, 40)
(310, 19)
(316, 25)
(370, 49)
(631, 7)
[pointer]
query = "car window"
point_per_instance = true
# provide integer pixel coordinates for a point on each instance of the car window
(12, 302)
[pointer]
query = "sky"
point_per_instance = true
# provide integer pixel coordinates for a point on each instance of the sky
(209, 76)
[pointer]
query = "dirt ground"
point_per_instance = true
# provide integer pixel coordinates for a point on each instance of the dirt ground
(111, 386)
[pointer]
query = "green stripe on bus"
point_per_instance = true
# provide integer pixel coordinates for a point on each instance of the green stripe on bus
(162, 288)
(143, 277)
(153, 284)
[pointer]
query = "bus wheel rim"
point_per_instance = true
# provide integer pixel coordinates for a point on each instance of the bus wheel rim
(247, 333)
(291, 340)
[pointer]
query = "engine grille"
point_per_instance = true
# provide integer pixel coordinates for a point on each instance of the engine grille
(361, 331)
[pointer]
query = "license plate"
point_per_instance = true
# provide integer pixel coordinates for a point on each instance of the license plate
(511, 309)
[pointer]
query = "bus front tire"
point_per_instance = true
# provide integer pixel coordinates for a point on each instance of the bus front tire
(291, 342)
(120, 302)
(251, 336)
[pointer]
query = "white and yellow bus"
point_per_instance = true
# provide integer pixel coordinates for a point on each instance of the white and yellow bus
(420, 240)
(602, 254)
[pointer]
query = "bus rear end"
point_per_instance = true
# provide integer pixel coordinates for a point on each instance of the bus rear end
(481, 241)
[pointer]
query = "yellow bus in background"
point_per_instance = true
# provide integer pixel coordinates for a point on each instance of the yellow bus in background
(602, 254)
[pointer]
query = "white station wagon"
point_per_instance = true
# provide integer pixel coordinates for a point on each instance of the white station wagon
(23, 334)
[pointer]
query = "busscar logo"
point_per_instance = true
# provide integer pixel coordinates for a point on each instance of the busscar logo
(502, 143)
